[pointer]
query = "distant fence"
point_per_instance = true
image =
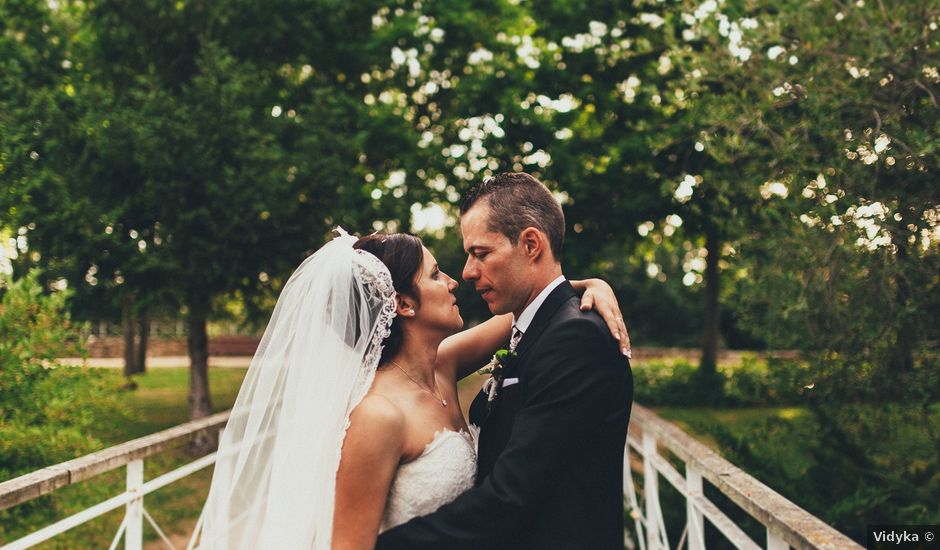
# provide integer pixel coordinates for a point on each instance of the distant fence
(113, 346)
(650, 437)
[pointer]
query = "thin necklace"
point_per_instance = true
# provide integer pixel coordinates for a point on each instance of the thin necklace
(437, 395)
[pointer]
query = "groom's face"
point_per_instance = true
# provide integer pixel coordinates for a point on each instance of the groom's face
(496, 268)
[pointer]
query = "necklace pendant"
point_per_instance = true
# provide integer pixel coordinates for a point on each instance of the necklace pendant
(443, 402)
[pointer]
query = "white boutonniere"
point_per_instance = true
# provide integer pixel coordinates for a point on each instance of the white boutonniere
(496, 368)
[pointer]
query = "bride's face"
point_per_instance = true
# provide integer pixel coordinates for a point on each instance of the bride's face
(438, 305)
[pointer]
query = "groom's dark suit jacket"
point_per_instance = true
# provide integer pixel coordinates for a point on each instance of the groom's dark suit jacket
(551, 448)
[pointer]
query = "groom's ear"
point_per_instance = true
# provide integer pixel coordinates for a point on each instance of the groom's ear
(533, 242)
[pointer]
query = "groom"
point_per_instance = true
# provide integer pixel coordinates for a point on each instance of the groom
(552, 438)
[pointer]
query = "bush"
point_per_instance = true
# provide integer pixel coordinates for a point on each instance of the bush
(753, 382)
(46, 412)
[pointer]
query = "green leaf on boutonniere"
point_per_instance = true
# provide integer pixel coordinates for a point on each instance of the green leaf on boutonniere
(502, 359)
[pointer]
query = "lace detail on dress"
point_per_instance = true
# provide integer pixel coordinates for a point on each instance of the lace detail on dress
(445, 469)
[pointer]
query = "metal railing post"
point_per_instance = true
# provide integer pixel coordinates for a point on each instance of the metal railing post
(776, 543)
(629, 491)
(654, 517)
(696, 526)
(134, 510)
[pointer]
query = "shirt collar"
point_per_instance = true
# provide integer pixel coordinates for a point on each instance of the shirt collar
(525, 319)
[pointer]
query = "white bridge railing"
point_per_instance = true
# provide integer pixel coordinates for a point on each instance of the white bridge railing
(787, 525)
(130, 454)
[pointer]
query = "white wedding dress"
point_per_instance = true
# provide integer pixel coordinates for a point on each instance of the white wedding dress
(446, 468)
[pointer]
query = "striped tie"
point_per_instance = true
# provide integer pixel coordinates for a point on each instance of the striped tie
(514, 341)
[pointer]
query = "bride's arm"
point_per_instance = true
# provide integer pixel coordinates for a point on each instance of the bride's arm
(469, 350)
(371, 453)
(466, 351)
(600, 296)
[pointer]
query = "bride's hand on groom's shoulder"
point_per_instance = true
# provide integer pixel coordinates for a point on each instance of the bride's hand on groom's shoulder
(599, 296)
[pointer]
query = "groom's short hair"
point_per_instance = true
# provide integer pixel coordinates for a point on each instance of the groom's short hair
(517, 201)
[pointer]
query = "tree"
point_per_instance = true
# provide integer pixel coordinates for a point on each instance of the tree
(184, 171)
(546, 88)
(841, 132)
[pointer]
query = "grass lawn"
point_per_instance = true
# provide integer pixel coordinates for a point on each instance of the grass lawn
(160, 400)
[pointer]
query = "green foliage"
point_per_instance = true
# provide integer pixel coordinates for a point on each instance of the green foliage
(754, 382)
(179, 157)
(34, 326)
(200, 150)
(47, 414)
(775, 381)
(834, 139)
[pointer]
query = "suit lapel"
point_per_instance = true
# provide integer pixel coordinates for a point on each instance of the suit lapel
(479, 412)
(555, 299)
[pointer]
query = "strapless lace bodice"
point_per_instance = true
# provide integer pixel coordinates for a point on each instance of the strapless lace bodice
(446, 468)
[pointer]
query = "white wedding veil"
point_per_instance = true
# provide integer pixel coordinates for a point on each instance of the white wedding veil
(275, 475)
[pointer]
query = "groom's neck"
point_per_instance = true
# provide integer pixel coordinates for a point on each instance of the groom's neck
(541, 278)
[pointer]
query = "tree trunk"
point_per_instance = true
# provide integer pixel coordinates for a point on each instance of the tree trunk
(127, 322)
(143, 325)
(200, 404)
(901, 360)
(711, 330)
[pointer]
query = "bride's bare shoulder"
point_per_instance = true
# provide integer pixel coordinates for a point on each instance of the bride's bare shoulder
(378, 414)
(372, 449)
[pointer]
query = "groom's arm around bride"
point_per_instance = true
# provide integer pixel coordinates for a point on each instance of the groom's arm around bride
(552, 445)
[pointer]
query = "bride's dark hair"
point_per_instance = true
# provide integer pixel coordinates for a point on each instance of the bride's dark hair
(403, 255)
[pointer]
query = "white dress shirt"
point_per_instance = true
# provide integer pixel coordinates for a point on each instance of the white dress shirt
(525, 319)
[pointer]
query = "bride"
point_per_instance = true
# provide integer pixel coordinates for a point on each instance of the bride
(348, 422)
